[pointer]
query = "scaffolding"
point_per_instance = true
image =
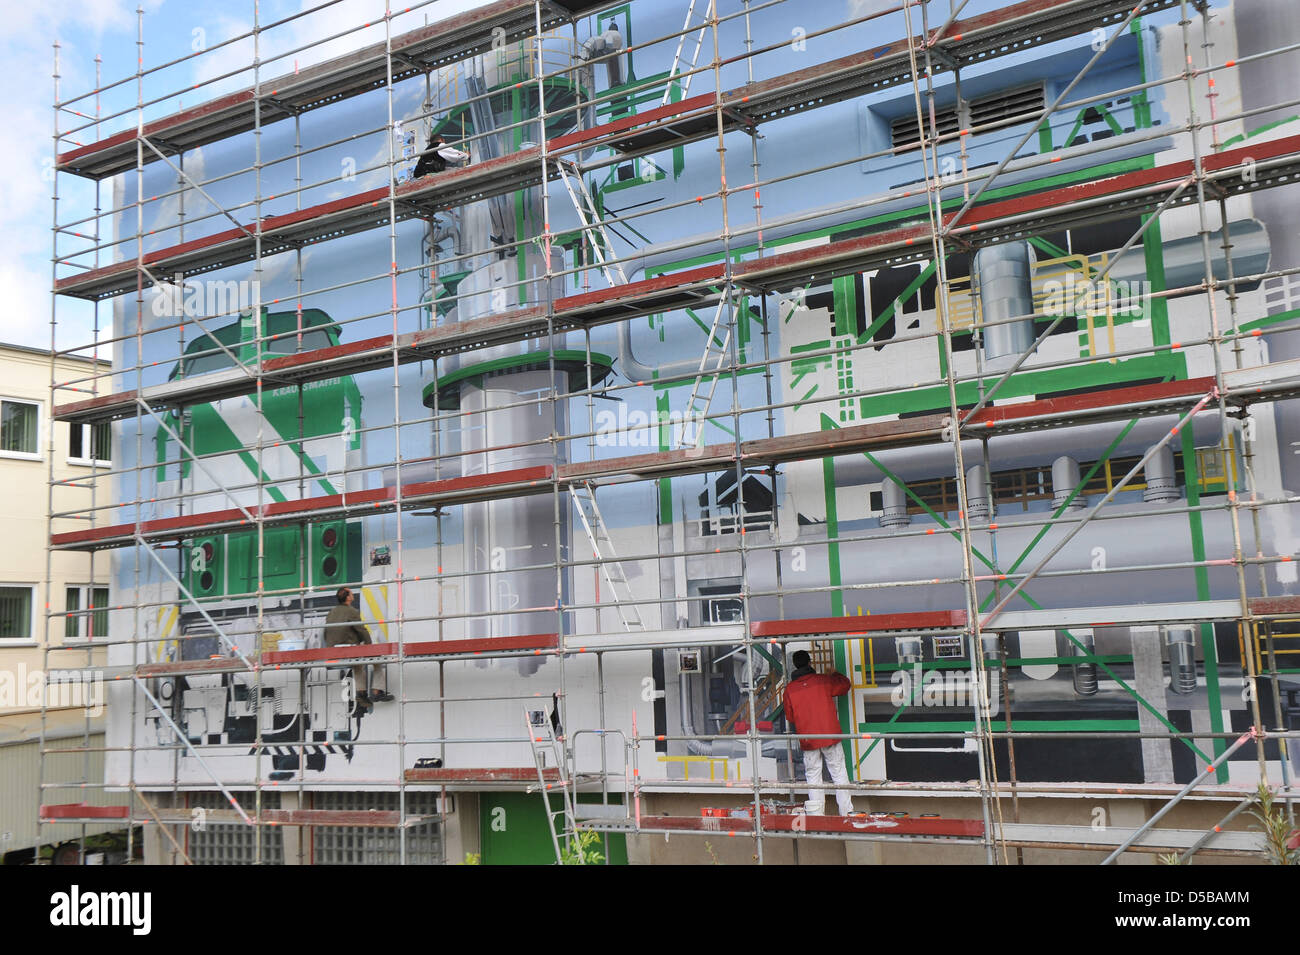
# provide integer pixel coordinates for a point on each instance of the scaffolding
(217, 593)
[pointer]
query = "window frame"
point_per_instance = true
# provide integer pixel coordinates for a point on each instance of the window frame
(30, 637)
(87, 443)
(40, 422)
(85, 595)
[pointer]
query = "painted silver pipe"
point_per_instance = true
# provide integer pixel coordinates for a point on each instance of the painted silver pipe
(1065, 478)
(894, 505)
(1005, 277)
(978, 506)
(1085, 674)
(605, 44)
(1182, 660)
(1162, 484)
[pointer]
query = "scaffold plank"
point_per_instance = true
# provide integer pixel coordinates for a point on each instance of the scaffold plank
(863, 823)
(360, 653)
(374, 818)
(423, 197)
(869, 623)
(692, 287)
(352, 655)
(1101, 405)
(78, 811)
(415, 53)
(481, 487)
(1049, 618)
(341, 655)
(378, 818)
(317, 223)
(1089, 837)
(1274, 606)
(509, 774)
(653, 464)
(1191, 611)
(181, 667)
(1273, 163)
(692, 824)
(1114, 402)
(900, 433)
(884, 823)
(538, 643)
(652, 129)
(975, 39)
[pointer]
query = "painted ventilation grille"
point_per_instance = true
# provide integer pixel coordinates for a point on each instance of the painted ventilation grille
(1006, 107)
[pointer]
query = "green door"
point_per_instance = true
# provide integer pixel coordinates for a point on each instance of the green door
(513, 830)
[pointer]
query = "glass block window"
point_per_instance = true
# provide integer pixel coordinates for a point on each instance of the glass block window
(234, 844)
(370, 845)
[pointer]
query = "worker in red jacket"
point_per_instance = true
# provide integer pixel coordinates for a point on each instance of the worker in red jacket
(810, 707)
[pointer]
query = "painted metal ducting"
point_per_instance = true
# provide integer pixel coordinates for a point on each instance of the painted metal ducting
(1005, 277)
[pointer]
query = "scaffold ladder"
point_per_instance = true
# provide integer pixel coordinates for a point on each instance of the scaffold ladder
(545, 746)
(590, 218)
(711, 363)
(676, 69)
(602, 546)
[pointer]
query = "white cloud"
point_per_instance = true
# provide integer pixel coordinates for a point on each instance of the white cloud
(26, 103)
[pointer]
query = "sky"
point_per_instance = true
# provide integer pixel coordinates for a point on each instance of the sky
(109, 29)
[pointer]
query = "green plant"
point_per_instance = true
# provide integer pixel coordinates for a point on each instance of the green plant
(473, 858)
(1276, 828)
(712, 855)
(1170, 858)
(581, 849)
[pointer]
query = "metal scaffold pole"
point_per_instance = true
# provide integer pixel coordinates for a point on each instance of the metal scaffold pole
(896, 423)
(934, 208)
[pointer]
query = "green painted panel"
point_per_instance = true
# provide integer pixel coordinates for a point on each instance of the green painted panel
(1038, 382)
(512, 828)
(334, 559)
(327, 406)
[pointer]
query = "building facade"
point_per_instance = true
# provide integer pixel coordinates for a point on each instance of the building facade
(966, 366)
(47, 464)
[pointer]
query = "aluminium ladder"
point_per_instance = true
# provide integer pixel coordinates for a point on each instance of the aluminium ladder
(602, 546)
(710, 370)
(591, 220)
(676, 69)
(542, 741)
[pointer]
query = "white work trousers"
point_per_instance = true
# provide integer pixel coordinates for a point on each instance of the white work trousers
(833, 757)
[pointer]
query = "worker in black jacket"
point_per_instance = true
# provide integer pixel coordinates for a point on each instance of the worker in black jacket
(343, 627)
(437, 155)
